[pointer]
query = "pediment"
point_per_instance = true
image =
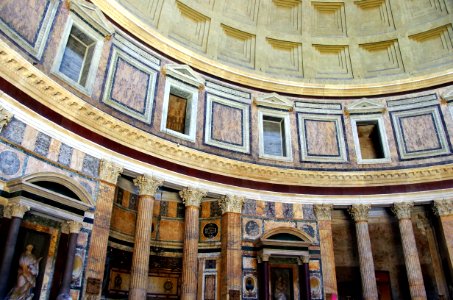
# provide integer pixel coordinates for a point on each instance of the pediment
(93, 15)
(184, 73)
(365, 106)
(274, 100)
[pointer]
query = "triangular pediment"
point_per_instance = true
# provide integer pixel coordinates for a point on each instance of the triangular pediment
(447, 95)
(365, 106)
(274, 100)
(184, 73)
(93, 15)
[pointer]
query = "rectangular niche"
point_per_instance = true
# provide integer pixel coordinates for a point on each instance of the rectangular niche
(220, 131)
(329, 19)
(433, 47)
(322, 138)
(375, 16)
(237, 47)
(285, 16)
(420, 133)
(274, 133)
(381, 58)
(332, 62)
(284, 57)
(190, 27)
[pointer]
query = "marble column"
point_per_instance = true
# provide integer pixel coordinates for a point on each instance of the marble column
(304, 278)
(108, 175)
(414, 271)
(264, 277)
(73, 228)
(191, 198)
(444, 209)
(324, 216)
(15, 212)
(359, 213)
(140, 256)
(231, 268)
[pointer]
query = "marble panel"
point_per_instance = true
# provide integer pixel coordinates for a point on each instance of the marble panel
(42, 144)
(14, 131)
(65, 155)
(90, 165)
(12, 162)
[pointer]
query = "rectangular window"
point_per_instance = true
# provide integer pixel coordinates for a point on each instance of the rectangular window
(274, 136)
(177, 112)
(370, 140)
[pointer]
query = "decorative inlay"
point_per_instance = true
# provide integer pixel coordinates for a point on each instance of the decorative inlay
(15, 210)
(147, 184)
(359, 212)
(443, 207)
(402, 210)
(109, 171)
(192, 197)
(323, 212)
(231, 204)
(5, 117)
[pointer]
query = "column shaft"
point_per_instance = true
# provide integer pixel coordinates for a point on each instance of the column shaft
(190, 254)
(328, 256)
(69, 265)
(304, 282)
(8, 253)
(263, 280)
(140, 257)
(447, 232)
(231, 269)
(367, 272)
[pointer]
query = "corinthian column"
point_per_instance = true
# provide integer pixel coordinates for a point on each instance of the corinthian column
(444, 209)
(108, 175)
(359, 213)
(231, 269)
(15, 212)
(140, 257)
(191, 198)
(323, 215)
(414, 271)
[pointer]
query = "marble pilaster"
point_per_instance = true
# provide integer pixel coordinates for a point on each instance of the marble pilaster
(444, 209)
(5, 117)
(323, 214)
(192, 199)
(231, 268)
(140, 257)
(414, 271)
(108, 175)
(359, 213)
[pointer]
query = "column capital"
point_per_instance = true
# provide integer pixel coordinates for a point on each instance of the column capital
(147, 184)
(5, 117)
(402, 210)
(192, 196)
(263, 257)
(231, 204)
(109, 171)
(323, 211)
(443, 207)
(359, 212)
(304, 259)
(71, 226)
(15, 210)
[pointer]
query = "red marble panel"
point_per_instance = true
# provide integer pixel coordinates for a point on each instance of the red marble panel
(419, 133)
(226, 124)
(321, 137)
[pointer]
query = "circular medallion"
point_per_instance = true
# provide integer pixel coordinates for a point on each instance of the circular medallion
(168, 285)
(252, 228)
(9, 163)
(210, 230)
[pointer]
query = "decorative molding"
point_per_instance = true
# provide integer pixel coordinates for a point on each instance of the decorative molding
(447, 95)
(5, 117)
(443, 207)
(147, 184)
(15, 210)
(274, 100)
(192, 196)
(71, 226)
(323, 212)
(359, 212)
(109, 171)
(184, 73)
(93, 15)
(365, 106)
(231, 204)
(402, 210)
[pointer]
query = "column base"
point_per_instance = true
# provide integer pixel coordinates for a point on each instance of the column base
(137, 294)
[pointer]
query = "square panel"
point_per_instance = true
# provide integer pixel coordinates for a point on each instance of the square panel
(322, 138)
(420, 133)
(220, 131)
(130, 85)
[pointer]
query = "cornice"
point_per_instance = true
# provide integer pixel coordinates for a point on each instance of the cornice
(19, 72)
(149, 35)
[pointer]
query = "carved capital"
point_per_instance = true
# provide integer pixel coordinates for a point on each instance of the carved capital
(192, 197)
(71, 226)
(109, 171)
(402, 210)
(262, 258)
(148, 185)
(5, 117)
(323, 212)
(231, 204)
(443, 207)
(359, 212)
(15, 210)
